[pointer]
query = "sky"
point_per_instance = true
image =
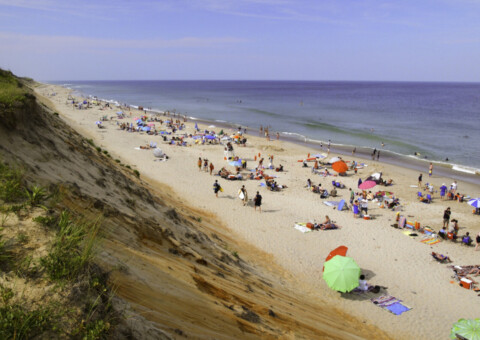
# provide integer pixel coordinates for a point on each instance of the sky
(402, 40)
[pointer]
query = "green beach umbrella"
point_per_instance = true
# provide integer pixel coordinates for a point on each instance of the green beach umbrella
(341, 273)
(467, 329)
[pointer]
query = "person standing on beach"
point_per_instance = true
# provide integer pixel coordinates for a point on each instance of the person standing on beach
(378, 155)
(430, 170)
(420, 180)
(258, 202)
(205, 165)
(216, 188)
(446, 217)
(352, 196)
(478, 241)
(278, 136)
(242, 194)
(443, 190)
(199, 163)
(353, 151)
(453, 187)
(211, 168)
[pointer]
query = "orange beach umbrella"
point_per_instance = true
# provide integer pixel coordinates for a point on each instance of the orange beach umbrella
(340, 166)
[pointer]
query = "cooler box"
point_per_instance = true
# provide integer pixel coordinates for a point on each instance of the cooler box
(466, 283)
(367, 217)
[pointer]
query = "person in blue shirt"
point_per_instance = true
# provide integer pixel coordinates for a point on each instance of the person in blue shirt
(443, 190)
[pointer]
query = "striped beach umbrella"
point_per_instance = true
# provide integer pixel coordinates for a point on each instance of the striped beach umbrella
(475, 202)
(466, 329)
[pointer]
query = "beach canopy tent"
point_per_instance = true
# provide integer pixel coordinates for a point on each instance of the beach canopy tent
(340, 166)
(341, 273)
(474, 202)
(158, 153)
(367, 185)
(466, 329)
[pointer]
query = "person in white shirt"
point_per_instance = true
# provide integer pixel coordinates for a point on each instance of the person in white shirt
(362, 283)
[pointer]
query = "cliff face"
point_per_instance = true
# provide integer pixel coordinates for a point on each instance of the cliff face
(175, 269)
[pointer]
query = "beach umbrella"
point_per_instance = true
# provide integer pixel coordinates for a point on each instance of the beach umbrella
(146, 128)
(98, 122)
(196, 126)
(340, 166)
(367, 185)
(334, 159)
(467, 329)
(475, 202)
(119, 112)
(320, 155)
(158, 153)
(209, 137)
(236, 163)
(341, 250)
(341, 273)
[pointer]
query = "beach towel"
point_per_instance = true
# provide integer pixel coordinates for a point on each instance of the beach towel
(431, 240)
(390, 303)
(302, 227)
(332, 203)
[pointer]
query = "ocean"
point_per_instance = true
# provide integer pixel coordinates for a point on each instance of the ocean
(435, 121)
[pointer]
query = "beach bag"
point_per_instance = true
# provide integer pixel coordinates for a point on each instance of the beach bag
(310, 226)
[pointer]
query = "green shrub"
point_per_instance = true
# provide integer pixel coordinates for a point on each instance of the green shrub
(137, 173)
(46, 221)
(16, 322)
(35, 195)
(71, 250)
(11, 188)
(99, 149)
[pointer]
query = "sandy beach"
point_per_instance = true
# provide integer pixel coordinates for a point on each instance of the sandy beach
(388, 257)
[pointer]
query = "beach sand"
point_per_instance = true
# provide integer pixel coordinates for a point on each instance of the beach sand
(386, 255)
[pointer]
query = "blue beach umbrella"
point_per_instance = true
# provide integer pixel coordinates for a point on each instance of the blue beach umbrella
(146, 128)
(209, 137)
(475, 202)
(98, 122)
(119, 112)
(236, 163)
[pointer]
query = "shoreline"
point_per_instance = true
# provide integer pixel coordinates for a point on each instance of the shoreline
(387, 257)
(441, 168)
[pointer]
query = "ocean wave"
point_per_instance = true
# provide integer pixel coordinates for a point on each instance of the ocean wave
(263, 112)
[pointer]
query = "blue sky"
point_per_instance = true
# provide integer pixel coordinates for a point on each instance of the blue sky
(423, 40)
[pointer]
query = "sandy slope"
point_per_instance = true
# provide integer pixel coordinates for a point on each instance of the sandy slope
(388, 257)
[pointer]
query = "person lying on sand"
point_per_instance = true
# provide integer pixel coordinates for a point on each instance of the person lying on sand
(327, 224)
(441, 258)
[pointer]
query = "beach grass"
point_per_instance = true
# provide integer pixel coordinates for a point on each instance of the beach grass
(11, 90)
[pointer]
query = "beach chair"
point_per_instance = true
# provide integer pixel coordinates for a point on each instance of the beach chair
(419, 195)
(429, 198)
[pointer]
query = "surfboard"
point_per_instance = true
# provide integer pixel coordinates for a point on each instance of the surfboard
(241, 195)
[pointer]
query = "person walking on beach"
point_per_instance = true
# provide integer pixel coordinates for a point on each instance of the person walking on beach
(278, 136)
(446, 217)
(443, 191)
(242, 194)
(353, 151)
(430, 170)
(216, 188)
(378, 155)
(211, 168)
(199, 163)
(205, 165)
(478, 241)
(258, 202)
(453, 187)
(420, 180)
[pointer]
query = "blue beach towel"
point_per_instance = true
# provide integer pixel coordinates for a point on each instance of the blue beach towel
(397, 308)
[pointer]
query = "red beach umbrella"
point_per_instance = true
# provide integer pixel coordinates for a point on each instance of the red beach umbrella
(341, 251)
(340, 166)
(367, 185)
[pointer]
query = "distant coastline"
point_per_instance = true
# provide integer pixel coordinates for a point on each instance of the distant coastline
(387, 156)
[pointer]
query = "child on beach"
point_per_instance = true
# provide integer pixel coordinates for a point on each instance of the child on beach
(216, 188)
